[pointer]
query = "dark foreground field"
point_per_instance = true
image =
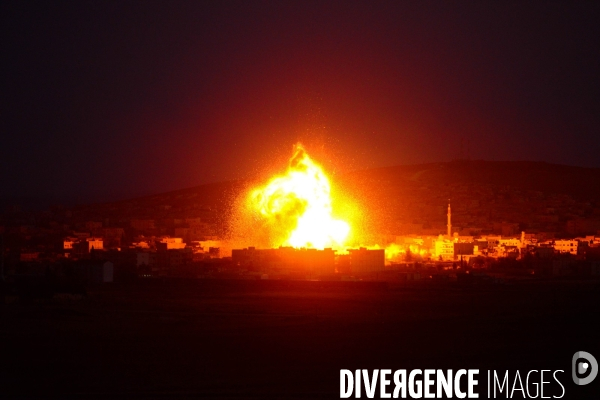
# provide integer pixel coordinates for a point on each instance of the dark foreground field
(261, 339)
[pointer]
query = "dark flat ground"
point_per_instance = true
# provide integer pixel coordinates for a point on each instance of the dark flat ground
(261, 339)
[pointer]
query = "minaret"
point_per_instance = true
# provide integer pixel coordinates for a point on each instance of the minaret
(449, 221)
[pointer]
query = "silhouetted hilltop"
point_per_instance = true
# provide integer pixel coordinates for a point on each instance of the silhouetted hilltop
(522, 195)
(414, 198)
(578, 182)
(213, 195)
(209, 199)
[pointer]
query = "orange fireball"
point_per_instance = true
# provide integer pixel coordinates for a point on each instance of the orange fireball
(298, 204)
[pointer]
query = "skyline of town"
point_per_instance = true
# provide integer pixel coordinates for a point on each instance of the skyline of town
(186, 233)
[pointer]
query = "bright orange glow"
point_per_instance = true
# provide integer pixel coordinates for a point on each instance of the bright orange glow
(299, 205)
(394, 251)
(399, 252)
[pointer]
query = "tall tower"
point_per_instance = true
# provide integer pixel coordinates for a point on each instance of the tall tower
(449, 221)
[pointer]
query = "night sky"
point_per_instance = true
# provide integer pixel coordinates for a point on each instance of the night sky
(105, 100)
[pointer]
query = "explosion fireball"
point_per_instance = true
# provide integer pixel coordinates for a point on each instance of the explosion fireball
(298, 204)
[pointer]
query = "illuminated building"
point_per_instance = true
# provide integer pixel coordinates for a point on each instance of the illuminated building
(566, 246)
(81, 247)
(493, 241)
(168, 243)
(69, 242)
(444, 248)
(95, 243)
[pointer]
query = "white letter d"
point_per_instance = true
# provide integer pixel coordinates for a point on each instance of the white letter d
(344, 373)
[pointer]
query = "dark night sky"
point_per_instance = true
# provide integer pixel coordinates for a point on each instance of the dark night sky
(103, 100)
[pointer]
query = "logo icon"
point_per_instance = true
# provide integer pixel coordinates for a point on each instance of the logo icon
(585, 368)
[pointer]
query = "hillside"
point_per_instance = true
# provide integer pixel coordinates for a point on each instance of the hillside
(529, 195)
(578, 182)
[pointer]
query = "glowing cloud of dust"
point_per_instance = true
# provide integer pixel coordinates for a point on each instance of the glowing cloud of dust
(298, 204)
